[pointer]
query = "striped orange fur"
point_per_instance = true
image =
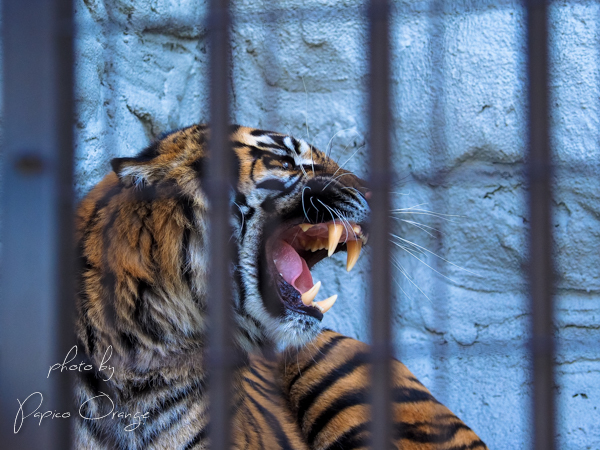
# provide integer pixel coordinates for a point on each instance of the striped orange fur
(327, 387)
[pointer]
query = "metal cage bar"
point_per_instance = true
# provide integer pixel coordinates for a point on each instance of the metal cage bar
(380, 179)
(36, 312)
(220, 179)
(540, 238)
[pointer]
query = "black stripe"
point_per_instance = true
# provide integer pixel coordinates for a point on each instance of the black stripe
(427, 432)
(152, 427)
(90, 334)
(199, 137)
(254, 372)
(345, 401)
(90, 379)
(306, 401)
(199, 437)
(254, 425)
(246, 438)
(169, 401)
(403, 430)
(149, 386)
(297, 146)
(350, 438)
(187, 209)
(131, 343)
(151, 433)
(256, 132)
(185, 257)
(322, 354)
(475, 444)
(272, 184)
(262, 390)
(278, 140)
(414, 380)
(108, 278)
(108, 283)
(143, 315)
(291, 188)
(275, 425)
(398, 394)
(101, 434)
(313, 167)
(254, 161)
(198, 166)
(411, 395)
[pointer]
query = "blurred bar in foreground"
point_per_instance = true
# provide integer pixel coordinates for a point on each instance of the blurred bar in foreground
(379, 183)
(36, 308)
(540, 239)
(220, 177)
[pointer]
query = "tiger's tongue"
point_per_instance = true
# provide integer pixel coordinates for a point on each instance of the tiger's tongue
(292, 267)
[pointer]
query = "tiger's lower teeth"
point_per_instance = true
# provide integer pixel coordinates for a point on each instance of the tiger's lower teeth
(325, 305)
(315, 241)
(309, 296)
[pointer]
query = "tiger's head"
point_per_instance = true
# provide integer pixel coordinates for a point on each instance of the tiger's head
(294, 207)
(142, 239)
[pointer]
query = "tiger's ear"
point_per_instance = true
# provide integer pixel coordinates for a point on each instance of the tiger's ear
(119, 163)
(132, 171)
(137, 169)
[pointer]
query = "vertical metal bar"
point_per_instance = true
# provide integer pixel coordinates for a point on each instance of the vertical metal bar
(36, 314)
(219, 183)
(540, 239)
(380, 179)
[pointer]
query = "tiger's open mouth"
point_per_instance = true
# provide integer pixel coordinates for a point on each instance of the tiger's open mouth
(293, 249)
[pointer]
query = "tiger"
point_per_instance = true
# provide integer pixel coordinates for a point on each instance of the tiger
(142, 290)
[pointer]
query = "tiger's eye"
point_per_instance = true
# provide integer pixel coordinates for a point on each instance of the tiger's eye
(285, 165)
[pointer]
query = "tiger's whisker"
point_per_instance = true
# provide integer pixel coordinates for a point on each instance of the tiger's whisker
(303, 207)
(306, 115)
(311, 202)
(342, 166)
(407, 276)
(330, 212)
(329, 144)
(336, 178)
(420, 226)
(423, 249)
(347, 222)
(243, 219)
(407, 250)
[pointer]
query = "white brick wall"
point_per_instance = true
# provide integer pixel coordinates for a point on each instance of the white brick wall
(459, 122)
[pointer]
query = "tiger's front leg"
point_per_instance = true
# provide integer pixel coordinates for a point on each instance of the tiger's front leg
(327, 388)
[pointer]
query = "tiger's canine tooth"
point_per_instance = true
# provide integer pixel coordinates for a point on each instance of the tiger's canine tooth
(353, 249)
(335, 233)
(305, 226)
(325, 305)
(309, 296)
